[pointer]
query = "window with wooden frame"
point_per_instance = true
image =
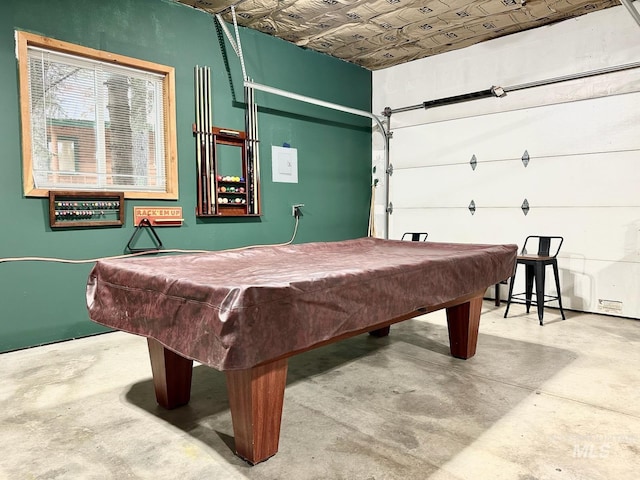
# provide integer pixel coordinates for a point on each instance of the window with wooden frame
(95, 121)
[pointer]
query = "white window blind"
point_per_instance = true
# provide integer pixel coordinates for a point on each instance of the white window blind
(95, 125)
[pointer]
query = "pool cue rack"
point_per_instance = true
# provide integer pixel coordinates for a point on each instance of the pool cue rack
(219, 194)
(86, 209)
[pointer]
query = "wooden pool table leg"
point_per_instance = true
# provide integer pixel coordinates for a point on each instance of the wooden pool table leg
(256, 396)
(463, 321)
(171, 375)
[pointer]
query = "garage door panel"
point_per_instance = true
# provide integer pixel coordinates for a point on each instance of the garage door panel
(583, 180)
(603, 234)
(596, 125)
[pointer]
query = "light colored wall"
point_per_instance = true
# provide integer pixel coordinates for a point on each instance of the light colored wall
(583, 137)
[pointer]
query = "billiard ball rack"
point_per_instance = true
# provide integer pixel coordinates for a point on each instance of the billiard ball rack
(85, 209)
(227, 195)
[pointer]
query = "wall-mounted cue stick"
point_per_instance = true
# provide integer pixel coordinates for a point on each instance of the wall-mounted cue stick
(249, 146)
(255, 169)
(198, 134)
(204, 139)
(211, 146)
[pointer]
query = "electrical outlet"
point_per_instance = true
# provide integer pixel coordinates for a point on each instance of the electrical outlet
(296, 210)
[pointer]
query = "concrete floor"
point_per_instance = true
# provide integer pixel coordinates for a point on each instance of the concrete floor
(555, 402)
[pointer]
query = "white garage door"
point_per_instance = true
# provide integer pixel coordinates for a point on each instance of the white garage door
(582, 182)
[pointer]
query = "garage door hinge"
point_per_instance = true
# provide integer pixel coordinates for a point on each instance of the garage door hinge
(390, 208)
(390, 169)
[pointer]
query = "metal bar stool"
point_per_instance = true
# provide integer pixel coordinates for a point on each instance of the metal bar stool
(535, 266)
(416, 236)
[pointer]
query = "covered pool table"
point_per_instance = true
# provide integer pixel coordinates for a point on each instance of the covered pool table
(246, 311)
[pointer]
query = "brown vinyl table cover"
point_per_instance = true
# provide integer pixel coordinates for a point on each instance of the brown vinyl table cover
(238, 308)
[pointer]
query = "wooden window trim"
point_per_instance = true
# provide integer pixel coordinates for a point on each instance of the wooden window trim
(26, 39)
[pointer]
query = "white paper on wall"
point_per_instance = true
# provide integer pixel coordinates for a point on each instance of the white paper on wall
(284, 164)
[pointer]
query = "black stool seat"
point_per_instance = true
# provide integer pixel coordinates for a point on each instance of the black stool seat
(535, 269)
(416, 236)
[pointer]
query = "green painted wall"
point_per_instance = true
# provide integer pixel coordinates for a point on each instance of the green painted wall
(44, 302)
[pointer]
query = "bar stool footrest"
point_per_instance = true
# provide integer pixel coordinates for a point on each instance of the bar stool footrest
(522, 298)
